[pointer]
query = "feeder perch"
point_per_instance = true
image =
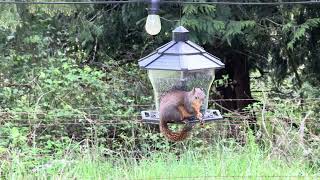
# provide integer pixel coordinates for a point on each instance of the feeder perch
(180, 65)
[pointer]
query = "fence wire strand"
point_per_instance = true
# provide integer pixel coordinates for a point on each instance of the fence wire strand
(312, 2)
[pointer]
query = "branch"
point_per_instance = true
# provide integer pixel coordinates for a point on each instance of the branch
(95, 50)
(302, 127)
(226, 109)
(15, 85)
(263, 117)
(248, 54)
(273, 22)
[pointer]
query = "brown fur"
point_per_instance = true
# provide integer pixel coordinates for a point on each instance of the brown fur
(178, 106)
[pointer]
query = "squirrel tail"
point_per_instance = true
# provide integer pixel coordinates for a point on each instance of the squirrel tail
(175, 136)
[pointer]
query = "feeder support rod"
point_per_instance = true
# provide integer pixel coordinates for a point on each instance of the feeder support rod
(154, 7)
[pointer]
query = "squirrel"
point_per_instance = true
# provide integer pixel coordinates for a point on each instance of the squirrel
(177, 106)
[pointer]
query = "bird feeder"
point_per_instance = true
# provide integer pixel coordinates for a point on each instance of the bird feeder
(180, 65)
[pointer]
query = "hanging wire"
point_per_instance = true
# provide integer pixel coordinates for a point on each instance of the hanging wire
(71, 2)
(163, 2)
(180, 24)
(245, 3)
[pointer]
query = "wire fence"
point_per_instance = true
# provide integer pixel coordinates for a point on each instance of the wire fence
(95, 115)
(39, 122)
(225, 121)
(163, 2)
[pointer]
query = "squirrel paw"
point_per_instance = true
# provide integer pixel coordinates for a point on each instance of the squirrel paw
(202, 123)
(185, 121)
(199, 116)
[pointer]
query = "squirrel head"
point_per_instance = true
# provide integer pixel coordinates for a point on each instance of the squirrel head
(197, 95)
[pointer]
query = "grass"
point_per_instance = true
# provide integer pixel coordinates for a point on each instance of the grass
(248, 161)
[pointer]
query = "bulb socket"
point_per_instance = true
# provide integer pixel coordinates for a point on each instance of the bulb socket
(154, 7)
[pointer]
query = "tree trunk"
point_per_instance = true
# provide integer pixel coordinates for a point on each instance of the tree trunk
(236, 94)
(237, 70)
(22, 10)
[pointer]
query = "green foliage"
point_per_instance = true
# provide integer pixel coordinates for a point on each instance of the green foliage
(208, 23)
(9, 19)
(300, 31)
(70, 84)
(236, 28)
(201, 19)
(233, 160)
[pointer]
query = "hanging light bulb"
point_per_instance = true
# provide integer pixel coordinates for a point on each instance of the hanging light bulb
(153, 23)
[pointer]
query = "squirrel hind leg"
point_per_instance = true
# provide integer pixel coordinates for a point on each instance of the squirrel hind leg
(183, 113)
(170, 116)
(188, 126)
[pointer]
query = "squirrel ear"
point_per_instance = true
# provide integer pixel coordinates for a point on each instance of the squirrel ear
(193, 90)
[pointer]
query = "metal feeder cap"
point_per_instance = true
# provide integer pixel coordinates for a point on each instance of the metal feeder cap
(180, 34)
(180, 54)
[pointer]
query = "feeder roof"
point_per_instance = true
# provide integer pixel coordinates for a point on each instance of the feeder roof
(180, 54)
